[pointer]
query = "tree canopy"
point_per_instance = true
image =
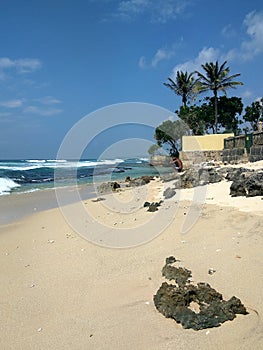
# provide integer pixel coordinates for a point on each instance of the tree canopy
(184, 86)
(254, 113)
(216, 78)
(170, 133)
(200, 119)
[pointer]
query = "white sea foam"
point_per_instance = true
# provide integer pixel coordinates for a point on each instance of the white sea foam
(6, 185)
(32, 164)
(35, 161)
(85, 163)
(22, 167)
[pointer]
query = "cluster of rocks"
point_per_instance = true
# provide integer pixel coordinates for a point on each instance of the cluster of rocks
(138, 181)
(112, 186)
(245, 182)
(152, 207)
(107, 187)
(175, 300)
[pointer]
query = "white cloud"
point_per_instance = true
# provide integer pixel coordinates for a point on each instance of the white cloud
(48, 100)
(228, 31)
(157, 10)
(246, 51)
(142, 62)
(252, 47)
(160, 55)
(209, 54)
(21, 66)
(46, 112)
(12, 103)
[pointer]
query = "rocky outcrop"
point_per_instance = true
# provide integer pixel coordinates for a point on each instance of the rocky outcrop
(139, 181)
(196, 176)
(107, 187)
(169, 193)
(249, 185)
(152, 207)
(176, 301)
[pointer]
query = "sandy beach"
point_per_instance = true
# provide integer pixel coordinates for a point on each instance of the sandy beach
(69, 286)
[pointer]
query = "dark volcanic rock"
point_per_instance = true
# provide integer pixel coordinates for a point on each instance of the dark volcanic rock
(254, 185)
(171, 177)
(139, 181)
(235, 174)
(237, 189)
(169, 193)
(108, 187)
(249, 185)
(152, 207)
(174, 301)
(200, 176)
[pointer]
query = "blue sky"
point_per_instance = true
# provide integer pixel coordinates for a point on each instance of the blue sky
(61, 60)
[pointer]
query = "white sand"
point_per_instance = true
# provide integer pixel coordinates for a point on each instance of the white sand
(61, 291)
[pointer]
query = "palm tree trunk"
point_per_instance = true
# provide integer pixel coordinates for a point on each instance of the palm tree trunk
(184, 100)
(216, 112)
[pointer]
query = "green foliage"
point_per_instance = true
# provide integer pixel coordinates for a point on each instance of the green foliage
(184, 86)
(216, 78)
(170, 133)
(154, 149)
(200, 119)
(230, 110)
(254, 114)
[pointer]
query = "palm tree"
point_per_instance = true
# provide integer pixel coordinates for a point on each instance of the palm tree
(184, 85)
(216, 79)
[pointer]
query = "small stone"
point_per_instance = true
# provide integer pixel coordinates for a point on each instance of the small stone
(218, 250)
(51, 241)
(147, 303)
(39, 329)
(211, 271)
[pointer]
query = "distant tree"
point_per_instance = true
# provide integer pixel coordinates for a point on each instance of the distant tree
(216, 78)
(200, 119)
(254, 113)
(230, 110)
(194, 117)
(154, 149)
(184, 86)
(170, 133)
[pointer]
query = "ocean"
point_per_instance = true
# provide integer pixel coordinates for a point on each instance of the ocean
(30, 175)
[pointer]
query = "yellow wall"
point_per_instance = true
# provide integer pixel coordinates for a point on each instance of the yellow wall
(204, 143)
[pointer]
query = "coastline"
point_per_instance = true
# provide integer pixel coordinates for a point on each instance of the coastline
(17, 206)
(60, 290)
